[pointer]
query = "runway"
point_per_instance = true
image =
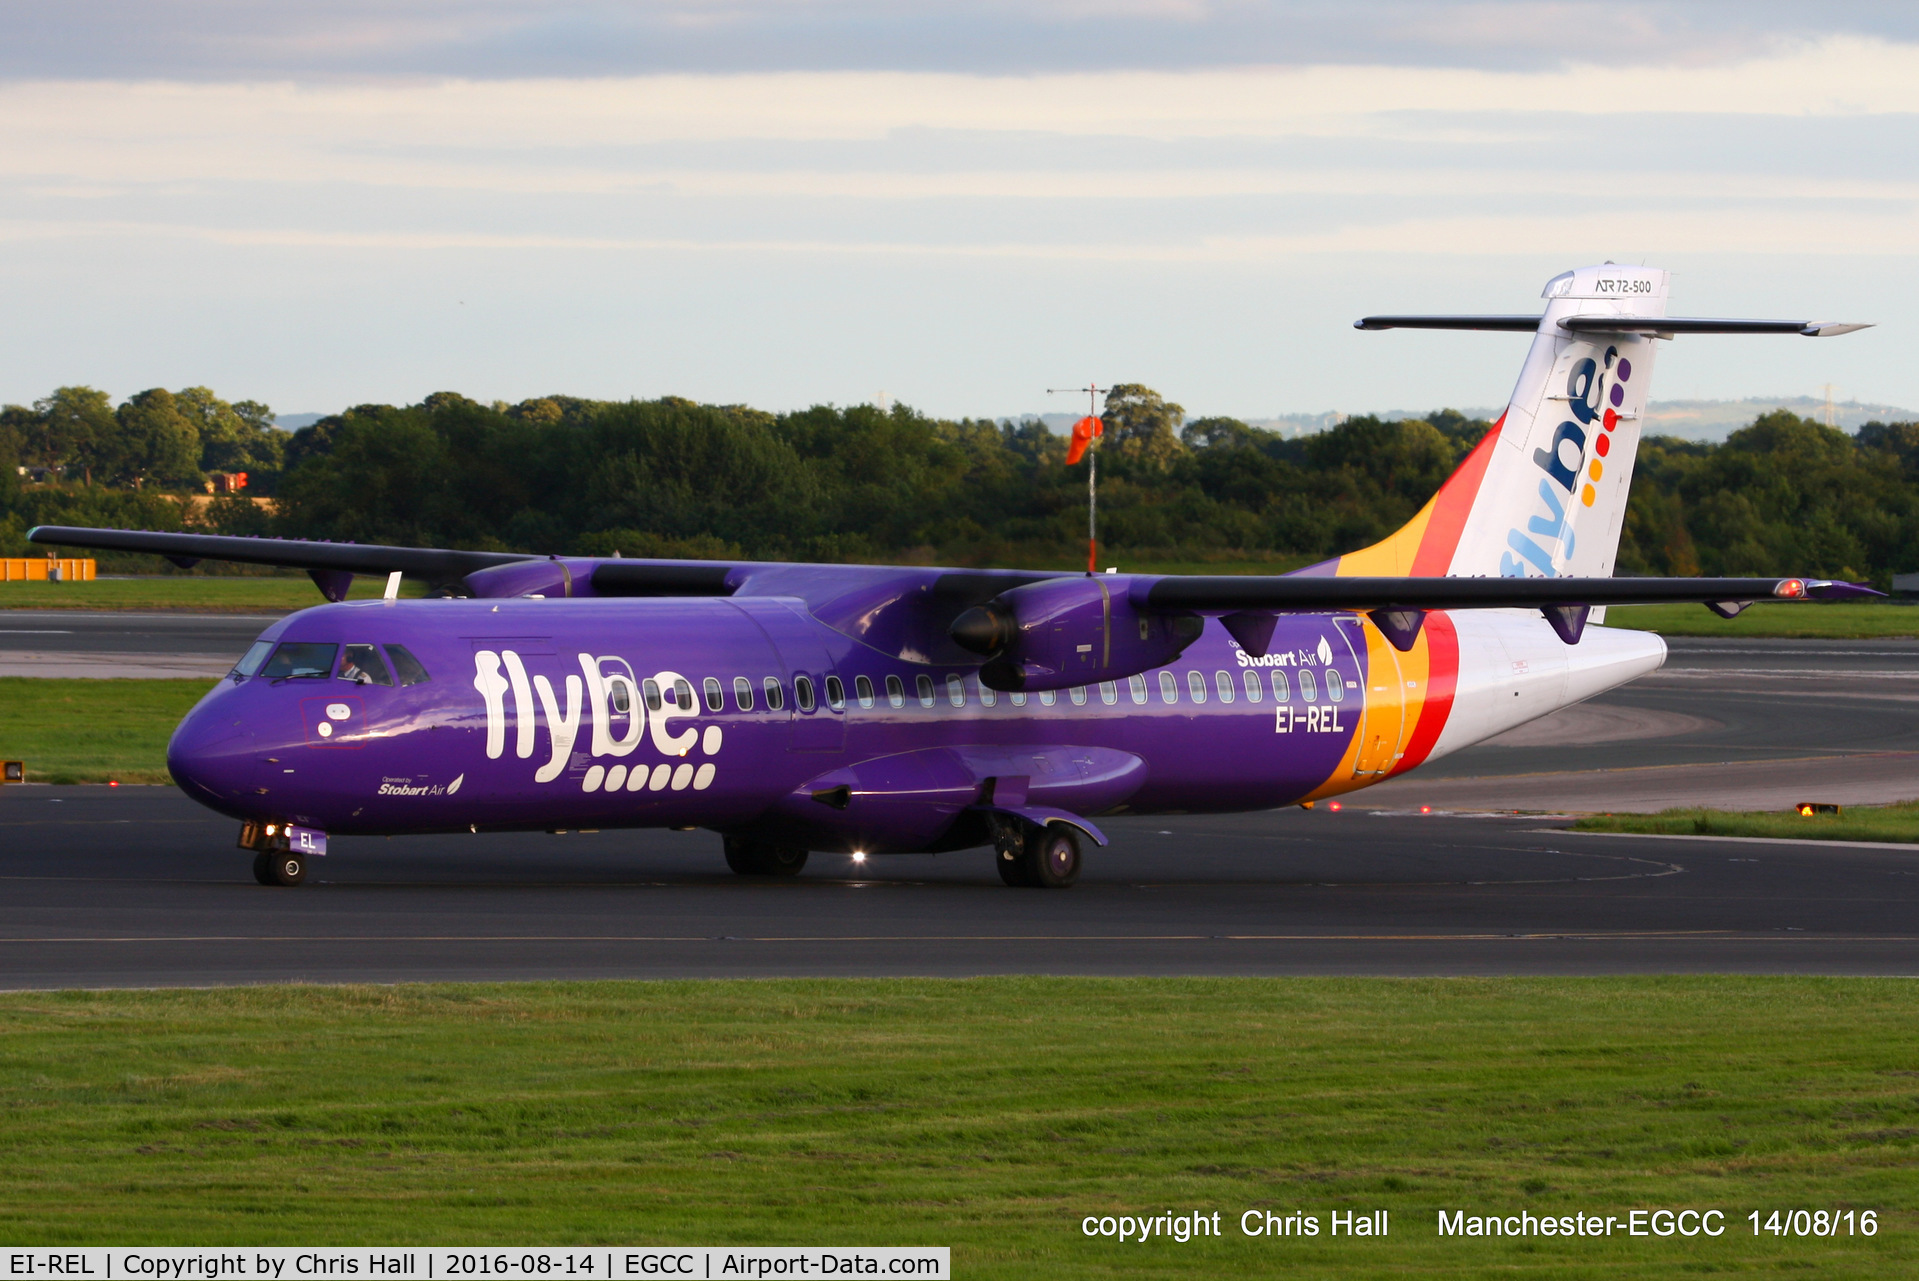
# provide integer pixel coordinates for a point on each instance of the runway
(140, 887)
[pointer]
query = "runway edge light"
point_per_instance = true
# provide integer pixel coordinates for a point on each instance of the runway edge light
(1808, 809)
(13, 772)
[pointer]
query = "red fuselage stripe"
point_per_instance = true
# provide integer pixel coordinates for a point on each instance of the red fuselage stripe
(1442, 677)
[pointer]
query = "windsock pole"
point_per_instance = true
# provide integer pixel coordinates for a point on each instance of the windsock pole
(1085, 432)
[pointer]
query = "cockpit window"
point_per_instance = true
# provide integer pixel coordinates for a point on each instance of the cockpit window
(250, 662)
(300, 661)
(406, 666)
(363, 666)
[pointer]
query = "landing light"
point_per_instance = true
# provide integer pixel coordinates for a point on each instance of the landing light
(859, 856)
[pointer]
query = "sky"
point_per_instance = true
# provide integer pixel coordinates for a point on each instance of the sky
(955, 206)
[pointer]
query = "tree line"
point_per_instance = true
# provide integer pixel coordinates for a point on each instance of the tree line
(672, 477)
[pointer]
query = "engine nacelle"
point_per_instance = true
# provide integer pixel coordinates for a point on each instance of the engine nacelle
(1070, 631)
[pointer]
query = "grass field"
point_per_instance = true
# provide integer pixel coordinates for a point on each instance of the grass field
(1855, 823)
(991, 1115)
(205, 595)
(92, 731)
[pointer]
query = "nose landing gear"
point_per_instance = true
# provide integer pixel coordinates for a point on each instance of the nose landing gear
(282, 868)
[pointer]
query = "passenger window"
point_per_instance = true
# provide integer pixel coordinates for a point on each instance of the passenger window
(743, 693)
(1108, 693)
(1280, 692)
(1254, 690)
(715, 696)
(835, 694)
(1223, 682)
(250, 661)
(803, 692)
(895, 691)
(863, 686)
(1168, 688)
(775, 693)
(619, 695)
(1078, 695)
(1019, 698)
(406, 667)
(925, 686)
(650, 688)
(683, 696)
(956, 691)
(362, 665)
(1137, 688)
(1196, 686)
(298, 661)
(1048, 697)
(1308, 688)
(1335, 685)
(987, 696)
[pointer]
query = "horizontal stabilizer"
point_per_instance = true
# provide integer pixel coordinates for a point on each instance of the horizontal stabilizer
(1616, 324)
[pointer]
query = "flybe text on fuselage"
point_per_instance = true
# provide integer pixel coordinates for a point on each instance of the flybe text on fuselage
(620, 710)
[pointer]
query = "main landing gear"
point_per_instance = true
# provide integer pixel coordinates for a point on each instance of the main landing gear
(1046, 858)
(763, 858)
(281, 867)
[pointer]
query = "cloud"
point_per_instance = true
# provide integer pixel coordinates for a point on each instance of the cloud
(238, 39)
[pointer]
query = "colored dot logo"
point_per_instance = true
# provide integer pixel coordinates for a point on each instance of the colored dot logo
(1622, 373)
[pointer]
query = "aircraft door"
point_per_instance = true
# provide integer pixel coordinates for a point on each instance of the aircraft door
(1382, 720)
(818, 720)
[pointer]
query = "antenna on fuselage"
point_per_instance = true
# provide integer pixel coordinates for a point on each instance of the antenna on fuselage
(1085, 431)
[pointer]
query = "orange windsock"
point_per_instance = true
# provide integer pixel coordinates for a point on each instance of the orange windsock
(1083, 432)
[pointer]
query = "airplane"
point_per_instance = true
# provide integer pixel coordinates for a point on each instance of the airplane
(869, 710)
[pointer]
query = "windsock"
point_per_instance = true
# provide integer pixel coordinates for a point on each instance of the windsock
(1083, 432)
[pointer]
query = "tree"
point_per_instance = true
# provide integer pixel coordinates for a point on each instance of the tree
(238, 437)
(153, 443)
(74, 422)
(1142, 428)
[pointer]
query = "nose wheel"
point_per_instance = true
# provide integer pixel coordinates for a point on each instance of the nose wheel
(282, 868)
(1047, 859)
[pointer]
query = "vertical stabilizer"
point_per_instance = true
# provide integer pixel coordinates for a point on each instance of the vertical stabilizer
(1544, 494)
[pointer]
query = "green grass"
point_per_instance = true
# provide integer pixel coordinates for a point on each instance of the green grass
(214, 594)
(1850, 621)
(991, 1115)
(1854, 823)
(92, 731)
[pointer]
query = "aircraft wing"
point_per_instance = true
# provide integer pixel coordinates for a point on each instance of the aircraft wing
(186, 550)
(1226, 592)
(1665, 326)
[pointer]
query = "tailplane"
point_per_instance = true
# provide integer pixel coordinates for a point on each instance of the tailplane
(1544, 494)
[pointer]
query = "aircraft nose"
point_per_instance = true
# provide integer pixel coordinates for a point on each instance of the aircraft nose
(211, 757)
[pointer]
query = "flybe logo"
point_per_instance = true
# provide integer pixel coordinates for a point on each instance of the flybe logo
(1549, 535)
(604, 701)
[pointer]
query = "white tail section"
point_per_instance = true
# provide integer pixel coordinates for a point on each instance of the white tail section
(1552, 499)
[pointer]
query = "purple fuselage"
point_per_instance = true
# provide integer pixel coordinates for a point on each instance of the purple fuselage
(542, 714)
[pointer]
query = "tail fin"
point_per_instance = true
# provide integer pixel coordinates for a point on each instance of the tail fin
(1544, 494)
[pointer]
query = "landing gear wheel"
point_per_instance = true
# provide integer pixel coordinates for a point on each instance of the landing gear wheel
(282, 868)
(1052, 857)
(753, 858)
(1013, 868)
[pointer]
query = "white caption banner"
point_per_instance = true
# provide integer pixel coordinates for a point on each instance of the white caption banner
(491, 1263)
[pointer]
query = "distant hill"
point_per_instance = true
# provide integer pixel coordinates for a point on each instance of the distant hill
(1689, 419)
(293, 422)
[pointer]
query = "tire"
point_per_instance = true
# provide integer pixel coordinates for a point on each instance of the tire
(1052, 857)
(1013, 868)
(263, 868)
(286, 868)
(752, 858)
